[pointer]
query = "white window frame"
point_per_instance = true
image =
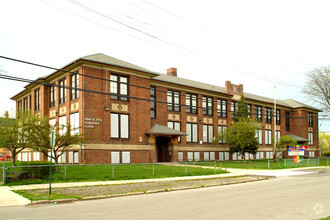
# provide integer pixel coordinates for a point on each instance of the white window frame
(119, 127)
(74, 123)
(206, 156)
(115, 157)
(62, 125)
(180, 156)
(268, 137)
(208, 133)
(126, 157)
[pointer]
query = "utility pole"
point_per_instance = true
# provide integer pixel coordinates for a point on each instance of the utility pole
(275, 117)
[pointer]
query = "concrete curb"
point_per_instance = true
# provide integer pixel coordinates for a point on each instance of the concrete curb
(59, 201)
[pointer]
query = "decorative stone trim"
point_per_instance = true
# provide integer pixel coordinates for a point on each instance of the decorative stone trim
(119, 107)
(174, 117)
(208, 120)
(222, 122)
(192, 119)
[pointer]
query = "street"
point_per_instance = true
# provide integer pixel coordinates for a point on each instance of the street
(298, 197)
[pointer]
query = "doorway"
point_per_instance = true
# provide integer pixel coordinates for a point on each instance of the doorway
(164, 153)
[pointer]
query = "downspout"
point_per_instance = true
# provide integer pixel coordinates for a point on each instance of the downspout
(82, 155)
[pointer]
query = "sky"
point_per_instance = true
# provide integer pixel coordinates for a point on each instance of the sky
(260, 44)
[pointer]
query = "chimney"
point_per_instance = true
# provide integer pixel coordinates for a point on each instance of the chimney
(233, 89)
(171, 72)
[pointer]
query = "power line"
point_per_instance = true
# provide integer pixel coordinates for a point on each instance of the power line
(250, 73)
(13, 78)
(85, 75)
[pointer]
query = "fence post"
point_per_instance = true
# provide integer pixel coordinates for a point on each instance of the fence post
(3, 174)
(318, 161)
(308, 162)
(278, 163)
(65, 171)
(153, 169)
(186, 168)
(215, 166)
(268, 164)
(327, 161)
(284, 163)
(113, 171)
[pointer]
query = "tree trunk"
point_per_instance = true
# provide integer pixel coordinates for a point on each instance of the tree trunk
(56, 163)
(13, 158)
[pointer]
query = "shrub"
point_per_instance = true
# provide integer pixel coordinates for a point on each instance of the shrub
(35, 170)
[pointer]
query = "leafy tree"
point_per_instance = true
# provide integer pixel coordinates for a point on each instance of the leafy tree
(63, 141)
(317, 87)
(324, 144)
(242, 111)
(283, 143)
(240, 135)
(15, 135)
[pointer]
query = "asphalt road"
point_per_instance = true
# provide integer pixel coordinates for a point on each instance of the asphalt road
(298, 197)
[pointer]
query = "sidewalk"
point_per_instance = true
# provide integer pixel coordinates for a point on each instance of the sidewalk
(9, 198)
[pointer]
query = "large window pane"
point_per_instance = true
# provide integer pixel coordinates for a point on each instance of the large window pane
(114, 125)
(124, 128)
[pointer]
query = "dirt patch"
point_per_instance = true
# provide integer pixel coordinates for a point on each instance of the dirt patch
(90, 191)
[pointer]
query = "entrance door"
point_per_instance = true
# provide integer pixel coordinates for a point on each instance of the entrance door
(163, 149)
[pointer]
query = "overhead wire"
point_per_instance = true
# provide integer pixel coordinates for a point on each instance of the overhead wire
(19, 79)
(250, 73)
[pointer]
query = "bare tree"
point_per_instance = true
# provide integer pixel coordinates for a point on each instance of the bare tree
(318, 86)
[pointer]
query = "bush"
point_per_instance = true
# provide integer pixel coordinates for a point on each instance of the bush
(35, 170)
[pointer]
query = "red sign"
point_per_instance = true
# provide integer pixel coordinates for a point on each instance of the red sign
(304, 147)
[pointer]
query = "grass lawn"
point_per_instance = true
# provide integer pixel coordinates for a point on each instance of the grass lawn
(263, 164)
(78, 173)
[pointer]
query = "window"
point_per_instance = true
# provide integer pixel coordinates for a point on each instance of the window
(191, 103)
(25, 104)
(311, 154)
(287, 120)
(258, 113)
(37, 100)
(153, 103)
(278, 136)
(52, 122)
(206, 156)
(119, 125)
(207, 133)
(196, 156)
(221, 131)
(268, 116)
(310, 119)
(310, 138)
(74, 123)
(126, 157)
(119, 87)
(74, 86)
(52, 96)
(249, 109)
(190, 156)
(222, 108)
(233, 108)
(278, 116)
(180, 156)
(36, 156)
(259, 135)
(62, 125)
(115, 157)
(268, 137)
(173, 101)
(62, 94)
(175, 126)
(191, 130)
(207, 103)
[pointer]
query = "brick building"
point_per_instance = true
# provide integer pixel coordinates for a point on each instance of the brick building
(133, 115)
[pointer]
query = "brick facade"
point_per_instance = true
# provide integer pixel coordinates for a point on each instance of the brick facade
(95, 109)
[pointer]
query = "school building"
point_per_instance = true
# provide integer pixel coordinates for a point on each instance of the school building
(134, 115)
